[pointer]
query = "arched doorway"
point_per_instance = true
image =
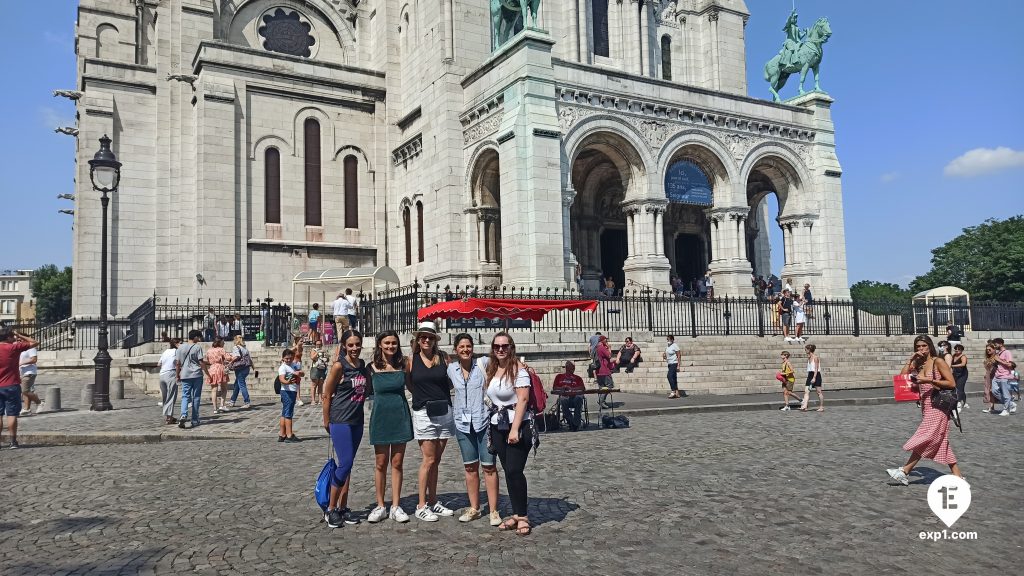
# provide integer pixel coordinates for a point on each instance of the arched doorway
(485, 229)
(772, 225)
(604, 174)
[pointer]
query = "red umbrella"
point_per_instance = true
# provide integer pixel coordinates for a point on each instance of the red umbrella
(502, 308)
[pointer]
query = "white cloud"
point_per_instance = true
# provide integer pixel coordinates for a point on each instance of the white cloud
(52, 118)
(890, 176)
(984, 161)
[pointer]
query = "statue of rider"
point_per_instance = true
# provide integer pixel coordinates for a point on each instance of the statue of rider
(794, 37)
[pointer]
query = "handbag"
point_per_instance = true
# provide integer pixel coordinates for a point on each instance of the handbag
(437, 408)
(242, 362)
(944, 400)
(904, 389)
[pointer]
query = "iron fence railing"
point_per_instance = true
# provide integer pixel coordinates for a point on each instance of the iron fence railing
(638, 309)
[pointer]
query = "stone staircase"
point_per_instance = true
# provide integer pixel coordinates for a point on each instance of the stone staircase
(710, 364)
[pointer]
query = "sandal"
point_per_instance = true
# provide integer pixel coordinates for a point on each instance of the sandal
(523, 527)
(509, 524)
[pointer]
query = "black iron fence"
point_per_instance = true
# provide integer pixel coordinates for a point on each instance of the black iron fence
(631, 310)
(667, 313)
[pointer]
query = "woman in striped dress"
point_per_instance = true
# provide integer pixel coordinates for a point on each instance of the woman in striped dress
(932, 437)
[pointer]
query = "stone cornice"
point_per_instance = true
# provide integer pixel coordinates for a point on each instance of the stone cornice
(407, 151)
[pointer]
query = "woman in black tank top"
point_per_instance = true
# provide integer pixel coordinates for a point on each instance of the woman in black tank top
(432, 421)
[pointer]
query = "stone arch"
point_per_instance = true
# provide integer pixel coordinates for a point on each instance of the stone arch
(708, 153)
(267, 141)
(358, 152)
(326, 129)
(484, 222)
(618, 139)
(107, 42)
(772, 168)
(783, 169)
(235, 15)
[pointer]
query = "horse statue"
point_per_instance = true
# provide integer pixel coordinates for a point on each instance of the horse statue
(508, 17)
(801, 52)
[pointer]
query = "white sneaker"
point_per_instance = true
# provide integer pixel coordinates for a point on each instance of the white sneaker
(788, 339)
(469, 515)
(377, 514)
(898, 475)
(300, 403)
(495, 518)
(1004, 413)
(425, 514)
(966, 406)
(398, 515)
(442, 510)
(25, 412)
(784, 408)
(1013, 407)
(159, 404)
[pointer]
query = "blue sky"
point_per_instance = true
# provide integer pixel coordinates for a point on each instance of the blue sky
(917, 83)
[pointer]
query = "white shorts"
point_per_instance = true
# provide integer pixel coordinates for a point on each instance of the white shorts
(432, 428)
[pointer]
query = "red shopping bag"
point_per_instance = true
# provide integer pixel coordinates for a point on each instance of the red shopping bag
(904, 389)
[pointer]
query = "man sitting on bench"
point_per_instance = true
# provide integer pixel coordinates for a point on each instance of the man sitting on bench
(570, 388)
(629, 356)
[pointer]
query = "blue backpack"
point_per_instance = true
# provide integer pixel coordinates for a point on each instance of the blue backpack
(322, 490)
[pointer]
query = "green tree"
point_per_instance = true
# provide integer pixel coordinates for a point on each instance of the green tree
(986, 260)
(870, 291)
(51, 288)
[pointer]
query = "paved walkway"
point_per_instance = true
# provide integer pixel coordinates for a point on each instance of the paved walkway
(739, 493)
(138, 418)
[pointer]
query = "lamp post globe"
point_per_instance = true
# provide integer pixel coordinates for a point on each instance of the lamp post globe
(105, 174)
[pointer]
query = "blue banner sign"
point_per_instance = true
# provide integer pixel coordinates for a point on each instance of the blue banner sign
(685, 183)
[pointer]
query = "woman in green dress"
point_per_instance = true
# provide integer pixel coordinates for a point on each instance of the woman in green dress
(390, 423)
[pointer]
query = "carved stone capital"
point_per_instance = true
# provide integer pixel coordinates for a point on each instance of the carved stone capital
(568, 197)
(713, 16)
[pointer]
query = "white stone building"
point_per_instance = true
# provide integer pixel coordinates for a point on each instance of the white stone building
(16, 303)
(261, 138)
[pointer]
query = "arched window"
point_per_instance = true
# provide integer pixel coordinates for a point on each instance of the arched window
(351, 192)
(419, 227)
(106, 42)
(407, 224)
(599, 26)
(312, 141)
(666, 57)
(272, 186)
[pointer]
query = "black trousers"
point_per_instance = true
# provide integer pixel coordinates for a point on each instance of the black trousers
(513, 462)
(961, 382)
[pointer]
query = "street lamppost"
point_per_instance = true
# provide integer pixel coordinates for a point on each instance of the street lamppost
(105, 174)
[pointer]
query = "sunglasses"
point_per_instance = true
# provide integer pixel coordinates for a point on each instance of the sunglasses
(500, 347)
(426, 337)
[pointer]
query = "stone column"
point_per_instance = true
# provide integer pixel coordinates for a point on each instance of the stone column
(568, 197)
(729, 267)
(574, 30)
(631, 225)
(633, 37)
(645, 42)
(715, 64)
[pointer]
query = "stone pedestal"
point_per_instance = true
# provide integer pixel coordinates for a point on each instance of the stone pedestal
(529, 148)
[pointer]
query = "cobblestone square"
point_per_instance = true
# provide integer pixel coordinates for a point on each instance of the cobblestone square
(732, 493)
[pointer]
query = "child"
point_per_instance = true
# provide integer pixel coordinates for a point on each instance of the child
(1014, 382)
(288, 374)
(314, 322)
(788, 378)
(813, 379)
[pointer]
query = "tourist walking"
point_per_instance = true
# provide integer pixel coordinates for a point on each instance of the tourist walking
(786, 314)
(432, 419)
(241, 364)
(289, 373)
(931, 440)
(959, 368)
(512, 431)
(169, 380)
(799, 318)
(341, 308)
(345, 390)
(190, 367)
(28, 365)
(319, 359)
(217, 375)
(592, 367)
(12, 344)
(671, 356)
(353, 314)
(787, 376)
(990, 370)
(813, 379)
(604, 370)
(390, 424)
(467, 377)
(1001, 388)
(808, 302)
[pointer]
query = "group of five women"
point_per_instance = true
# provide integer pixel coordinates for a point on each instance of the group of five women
(488, 417)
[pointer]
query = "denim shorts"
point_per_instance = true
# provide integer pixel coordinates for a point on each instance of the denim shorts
(288, 403)
(10, 400)
(474, 447)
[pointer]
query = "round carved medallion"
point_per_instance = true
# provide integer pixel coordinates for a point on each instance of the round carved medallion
(287, 33)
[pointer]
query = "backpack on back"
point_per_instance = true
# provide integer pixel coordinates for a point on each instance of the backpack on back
(538, 398)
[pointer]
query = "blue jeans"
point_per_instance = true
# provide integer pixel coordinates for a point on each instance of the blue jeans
(191, 391)
(673, 377)
(473, 445)
(240, 385)
(288, 403)
(1001, 391)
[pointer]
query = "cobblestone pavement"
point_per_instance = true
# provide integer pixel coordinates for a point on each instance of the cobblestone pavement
(731, 493)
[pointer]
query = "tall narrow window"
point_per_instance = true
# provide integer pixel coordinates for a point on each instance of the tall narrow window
(419, 227)
(272, 186)
(312, 137)
(666, 57)
(407, 224)
(600, 27)
(351, 192)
